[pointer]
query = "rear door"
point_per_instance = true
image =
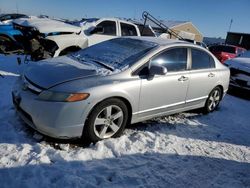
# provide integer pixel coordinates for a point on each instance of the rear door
(202, 76)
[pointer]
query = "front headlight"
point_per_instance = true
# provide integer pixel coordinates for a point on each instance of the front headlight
(62, 97)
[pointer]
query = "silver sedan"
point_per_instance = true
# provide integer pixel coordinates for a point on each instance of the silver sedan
(96, 92)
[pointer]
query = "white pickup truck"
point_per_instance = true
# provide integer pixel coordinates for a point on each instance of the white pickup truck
(98, 30)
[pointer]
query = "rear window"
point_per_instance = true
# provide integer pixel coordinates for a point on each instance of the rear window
(228, 49)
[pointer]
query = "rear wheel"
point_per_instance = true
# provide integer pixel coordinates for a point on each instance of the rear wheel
(108, 119)
(213, 100)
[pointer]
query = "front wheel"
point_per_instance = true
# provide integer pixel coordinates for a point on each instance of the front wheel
(107, 119)
(213, 100)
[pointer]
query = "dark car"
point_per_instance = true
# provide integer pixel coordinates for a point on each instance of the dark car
(240, 71)
(224, 52)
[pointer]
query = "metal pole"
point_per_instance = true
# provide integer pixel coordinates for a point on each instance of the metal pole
(230, 25)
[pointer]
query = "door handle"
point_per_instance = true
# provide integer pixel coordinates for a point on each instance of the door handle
(211, 75)
(183, 78)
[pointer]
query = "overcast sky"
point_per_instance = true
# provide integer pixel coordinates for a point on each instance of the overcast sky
(211, 17)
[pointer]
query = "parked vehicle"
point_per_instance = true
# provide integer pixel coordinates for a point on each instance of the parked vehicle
(8, 35)
(224, 51)
(99, 30)
(96, 92)
(44, 38)
(240, 71)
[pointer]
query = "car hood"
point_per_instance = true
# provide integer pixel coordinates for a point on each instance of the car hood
(45, 25)
(48, 73)
(242, 63)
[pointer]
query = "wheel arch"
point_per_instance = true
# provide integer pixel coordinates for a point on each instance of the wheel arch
(69, 49)
(123, 99)
(222, 90)
(7, 36)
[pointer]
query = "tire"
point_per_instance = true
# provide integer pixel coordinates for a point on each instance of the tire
(213, 100)
(107, 120)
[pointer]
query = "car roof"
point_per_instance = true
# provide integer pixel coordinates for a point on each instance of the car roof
(162, 41)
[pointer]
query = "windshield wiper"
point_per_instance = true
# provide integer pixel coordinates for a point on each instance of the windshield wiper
(93, 60)
(103, 64)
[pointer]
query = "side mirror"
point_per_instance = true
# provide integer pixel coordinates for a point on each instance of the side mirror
(157, 70)
(97, 29)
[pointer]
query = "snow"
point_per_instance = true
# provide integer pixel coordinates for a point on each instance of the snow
(182, 150)
(46, 25)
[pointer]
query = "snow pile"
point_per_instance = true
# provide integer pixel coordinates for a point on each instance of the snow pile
(182, 150)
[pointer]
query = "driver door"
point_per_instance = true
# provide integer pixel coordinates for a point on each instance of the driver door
(107, 30)
(164, 93)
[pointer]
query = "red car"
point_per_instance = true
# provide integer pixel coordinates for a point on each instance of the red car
(224, 52)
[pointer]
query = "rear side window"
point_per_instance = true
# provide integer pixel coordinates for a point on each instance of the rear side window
(146, 31)
(173, 59)
(109, 27)
(128, 30)
(201, 60)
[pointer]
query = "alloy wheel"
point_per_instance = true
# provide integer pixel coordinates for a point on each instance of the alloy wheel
(108, 121)
(213, 100)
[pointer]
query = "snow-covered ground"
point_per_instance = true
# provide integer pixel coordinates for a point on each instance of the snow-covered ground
(182, 150)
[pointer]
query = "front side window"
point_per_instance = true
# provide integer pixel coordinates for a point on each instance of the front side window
(109, 28)
(173, 59)
(201, 60)
(128, 30)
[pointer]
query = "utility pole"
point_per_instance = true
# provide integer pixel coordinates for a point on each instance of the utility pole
(230, 25)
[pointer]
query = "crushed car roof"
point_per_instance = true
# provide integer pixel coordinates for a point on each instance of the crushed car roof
(45, 25)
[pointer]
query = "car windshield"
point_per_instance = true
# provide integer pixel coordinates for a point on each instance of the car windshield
(117, 53)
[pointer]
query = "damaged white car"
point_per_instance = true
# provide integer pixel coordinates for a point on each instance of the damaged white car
(44, 38)
(240, 71)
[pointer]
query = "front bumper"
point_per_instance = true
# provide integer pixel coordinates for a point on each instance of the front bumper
(64, 120)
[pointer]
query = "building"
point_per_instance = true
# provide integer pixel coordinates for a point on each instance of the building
(238, 39)
(185, 29)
